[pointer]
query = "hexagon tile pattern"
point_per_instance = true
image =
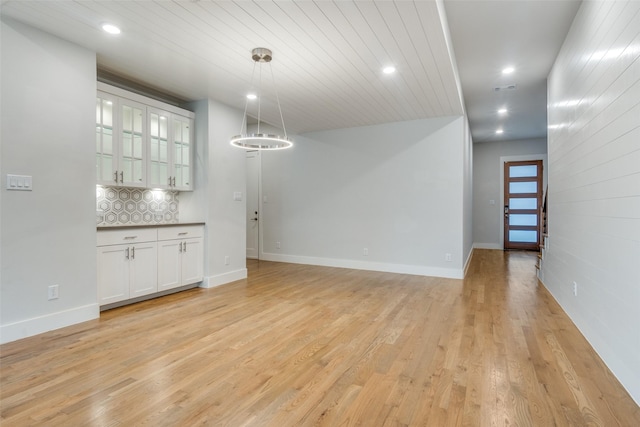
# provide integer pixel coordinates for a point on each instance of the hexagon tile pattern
(135, 206)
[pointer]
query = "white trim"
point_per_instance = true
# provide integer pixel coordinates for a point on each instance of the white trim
(122, 93)
(37, 325)
(419, 270)
(497, 246)
(224, 278)
(468, 262)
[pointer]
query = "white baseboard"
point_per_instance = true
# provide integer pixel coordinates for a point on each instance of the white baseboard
(468, 262)
(497, 246)
(37, 325)
(224, 278)
(418, 270)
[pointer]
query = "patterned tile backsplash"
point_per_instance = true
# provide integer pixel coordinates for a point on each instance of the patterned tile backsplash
(133, 206)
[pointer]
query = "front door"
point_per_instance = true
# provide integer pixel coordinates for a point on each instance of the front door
(522, 201)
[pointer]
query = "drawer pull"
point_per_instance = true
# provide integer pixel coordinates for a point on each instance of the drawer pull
(183, 233)
(129, 237)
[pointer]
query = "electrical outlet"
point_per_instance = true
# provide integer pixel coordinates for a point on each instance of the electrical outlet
(365, 252)
(52, 292)
(277, 245)
(447, 257)
(226, 260)
(575, 289)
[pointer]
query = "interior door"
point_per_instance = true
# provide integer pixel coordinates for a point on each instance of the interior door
(522, 201)
(253, 204)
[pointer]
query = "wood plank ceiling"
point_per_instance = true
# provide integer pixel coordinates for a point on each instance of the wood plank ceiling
(328, 55)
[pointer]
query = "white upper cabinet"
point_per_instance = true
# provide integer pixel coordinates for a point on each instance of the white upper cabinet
(159, 154)
(106, 150)
(182, 147)
(170, 143)
(141, 142)
(132, 133)
(120, 141)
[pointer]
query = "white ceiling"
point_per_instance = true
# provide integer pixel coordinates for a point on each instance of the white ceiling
(328, 55)
(488, 36)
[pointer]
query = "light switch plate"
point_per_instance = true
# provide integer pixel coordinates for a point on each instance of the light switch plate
(19, 182)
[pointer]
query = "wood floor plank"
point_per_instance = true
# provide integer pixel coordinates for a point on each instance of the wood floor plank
(299, 345)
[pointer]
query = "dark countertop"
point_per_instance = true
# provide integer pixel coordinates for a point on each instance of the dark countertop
(124, 227)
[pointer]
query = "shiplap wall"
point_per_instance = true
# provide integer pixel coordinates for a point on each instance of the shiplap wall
(594, 183)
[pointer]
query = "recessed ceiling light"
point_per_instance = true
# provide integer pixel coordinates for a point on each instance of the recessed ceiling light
(502, 111)
(508, 70)
(251, 96)
(389, 69)
(499, 131)
(111, 29)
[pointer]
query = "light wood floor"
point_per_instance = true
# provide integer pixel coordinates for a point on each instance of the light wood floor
(299, 345)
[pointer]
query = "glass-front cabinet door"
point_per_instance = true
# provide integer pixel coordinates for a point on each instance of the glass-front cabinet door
(170, 136)
(106, 149)
(182, 128)
(159, 162)
(140, 144)
(132, 158)
(120, 141)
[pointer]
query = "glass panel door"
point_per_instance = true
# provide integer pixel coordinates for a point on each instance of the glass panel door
(523, 198)
(159, 149)
(181, 150)
(132, 158)
(105, 149)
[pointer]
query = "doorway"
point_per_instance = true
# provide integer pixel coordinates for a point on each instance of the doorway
(522, 202)
(253, 204)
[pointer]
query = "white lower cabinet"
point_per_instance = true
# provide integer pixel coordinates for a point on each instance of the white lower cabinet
(180, 256)
(127, 264)
(142, 261)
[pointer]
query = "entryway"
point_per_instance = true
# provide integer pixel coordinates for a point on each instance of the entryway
(522, 202)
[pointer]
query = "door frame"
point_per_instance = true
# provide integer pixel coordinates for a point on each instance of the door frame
(259, 184)
(505, 159)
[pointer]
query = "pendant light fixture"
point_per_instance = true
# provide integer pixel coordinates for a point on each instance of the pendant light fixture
(258, 140)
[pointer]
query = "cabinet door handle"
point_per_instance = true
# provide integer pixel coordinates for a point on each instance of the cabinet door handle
(133, 253)
(126, 253)
(115, 176)
(185, 246)
(174, 181)
(180, 248)
(121, 177)
(169, 181)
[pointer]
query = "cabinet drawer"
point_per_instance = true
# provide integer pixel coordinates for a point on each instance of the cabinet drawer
(134, 235)
(180, 232)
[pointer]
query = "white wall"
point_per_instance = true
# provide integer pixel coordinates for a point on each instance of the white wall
(594, 183)
(48, 235)
(395, 189)
(219, 173)
(488, 168)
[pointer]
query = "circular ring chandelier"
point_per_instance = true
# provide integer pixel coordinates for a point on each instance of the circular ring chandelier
(258, 140)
